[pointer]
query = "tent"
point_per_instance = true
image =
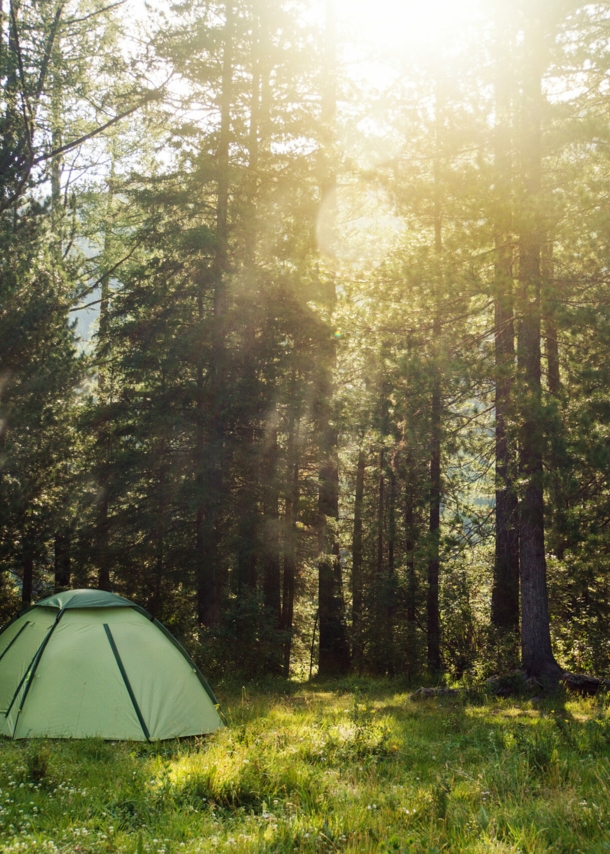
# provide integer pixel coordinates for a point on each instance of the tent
(89, 663)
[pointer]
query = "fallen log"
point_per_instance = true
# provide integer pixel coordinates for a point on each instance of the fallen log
(582, 683)
(517, 683)
(512, 684)
(426, 693)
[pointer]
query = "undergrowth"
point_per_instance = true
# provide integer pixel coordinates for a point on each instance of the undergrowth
(346, 767)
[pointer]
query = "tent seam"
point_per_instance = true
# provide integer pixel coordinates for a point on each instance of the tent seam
(6, 649)
(126, 681)
(200, 676)
(18, 689)
(34, 667)
(15, 618)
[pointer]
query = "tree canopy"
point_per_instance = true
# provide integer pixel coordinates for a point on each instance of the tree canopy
(305, 327)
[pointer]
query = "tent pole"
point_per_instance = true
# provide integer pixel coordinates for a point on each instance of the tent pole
(4, 651)
(32, 671)
(132, 696)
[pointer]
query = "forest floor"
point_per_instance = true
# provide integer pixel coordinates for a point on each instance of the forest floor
(354, 766)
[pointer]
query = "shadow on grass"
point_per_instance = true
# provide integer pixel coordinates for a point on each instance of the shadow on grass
(354, 762)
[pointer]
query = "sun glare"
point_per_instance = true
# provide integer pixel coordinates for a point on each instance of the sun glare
(396, 22)
(356, 226)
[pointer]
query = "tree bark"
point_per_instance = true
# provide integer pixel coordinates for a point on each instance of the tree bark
(433, 610)
(155, 596)
(433, 622)
(250, 235)
(101, 540)
(62, 568)
(102, 532)
(210, 449)
(56, 134)
(249, 552)
(205, 579)
(537, 654)
(333, 646)
(62, 562)
(378, 654)
(357, 561)
(559, 538)
(380, 516)
(271, 545)
(27, 566)
(390, 582)
(292, 501)
(505, 590)
(550, 322)
(410, 543)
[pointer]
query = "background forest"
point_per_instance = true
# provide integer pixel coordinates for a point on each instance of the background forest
(305, 342)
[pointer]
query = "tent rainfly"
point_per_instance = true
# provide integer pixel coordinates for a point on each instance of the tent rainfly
(88, 663)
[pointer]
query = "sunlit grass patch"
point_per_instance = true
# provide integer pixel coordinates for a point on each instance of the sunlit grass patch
(325, 770)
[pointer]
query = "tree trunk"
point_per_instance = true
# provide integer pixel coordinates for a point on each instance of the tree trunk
(292, 502)
(102, 532)
(333, 646)
(410, 542)
(390, 581)
(63, 534)
(56, 136)
(505, 590)
(271, 545)
(250, 235)
(206, 571)
(357, 561)
(62, 561)
(101, 541)
(434, 621)
(380, 517)
(156, 594)
(537, 654)
(210, 449)
(248, 552)
(550, 322)
(28, 577)
(378, 654)
(560, 537)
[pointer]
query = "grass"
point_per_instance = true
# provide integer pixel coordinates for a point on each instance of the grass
(349, 767)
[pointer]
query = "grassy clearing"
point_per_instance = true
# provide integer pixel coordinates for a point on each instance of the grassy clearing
(350, 767)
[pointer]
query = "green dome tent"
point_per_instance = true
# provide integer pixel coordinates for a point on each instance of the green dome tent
(88, 663)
